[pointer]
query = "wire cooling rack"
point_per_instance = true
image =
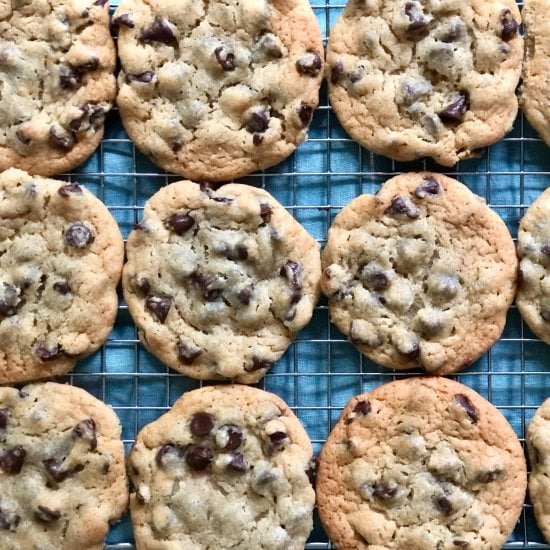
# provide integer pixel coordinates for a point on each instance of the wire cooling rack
(321, 370)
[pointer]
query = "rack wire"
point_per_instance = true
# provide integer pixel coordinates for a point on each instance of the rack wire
(321, 370)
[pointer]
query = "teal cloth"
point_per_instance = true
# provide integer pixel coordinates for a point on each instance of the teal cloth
(321, 370)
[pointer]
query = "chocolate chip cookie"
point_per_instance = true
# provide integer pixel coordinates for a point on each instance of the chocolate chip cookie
(535, 95)
(420, 275)
(62, 474)
(60, 261)
(226, 467)
(538, 443)
(216, 90)
(219, 282)
(57, 61)
(421, 463)
(430, 78)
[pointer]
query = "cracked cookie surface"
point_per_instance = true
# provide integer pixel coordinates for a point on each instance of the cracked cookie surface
(421, 463)
(57, 61)
(538, 444)
(61, 257)
(226, 467)
(215, 90)
(533, 297)
(421, 274)
(219, 282)
(62, 474)
(436, 78)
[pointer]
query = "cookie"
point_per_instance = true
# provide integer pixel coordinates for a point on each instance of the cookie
(411, 79)
(57, 61)
(420, 275)
(62, 474)
(226, 467)
(538, 444)
(215, 90)
(60, 261)
(219, 282)
(535, 96)
(533, 298)
(421, 463)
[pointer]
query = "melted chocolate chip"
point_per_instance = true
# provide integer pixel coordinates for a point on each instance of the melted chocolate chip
(418, 20)
(234, 437)
(409, 349)
(545, 249)
(257, 139)
(8, 521)
(47, 352)
(169, 452)
(258, 363)
(89, 66)
(309, 64)
(336, 72)
(60, 139)
(207, 284)
(429, 186)
(10, 301)
(70, 189)
(377, 280)
(443, 504)
(11, 460)
(225, 58)
(55, 469)
(455, 111)
(180, 223)
(312, 467)
(468, 406)
(277, 441)
(237, 254)
(363, 407)
(24, 139)
(69, 78)
(399, 206)
(62, 287)
(159, 31)
(461, 543)
(238, 463)
(159, 306)
(244, 295)
(199, 457)
(86, 430)
(79, 235)
(295, 297)
(292, 271)
(187, 354)
(124, 19)
(383, 491)
(45, 514)
(258, 121)
(97, 115)
(268, 43)
(265, 212)
(145, 78)
(509, 26)
(100, 2)
(202, 424)
(305, 113)
(4, 416)
(144, 285)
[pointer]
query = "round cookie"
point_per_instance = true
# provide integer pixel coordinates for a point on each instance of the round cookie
(219, 282)
(421, 463)
(411, 79)
(226, 467)
(62, 473)
(535, 93)
(538, 444)
(533, 297)
(216, 90)
(57, 60)
(420, 275)
(60, 261)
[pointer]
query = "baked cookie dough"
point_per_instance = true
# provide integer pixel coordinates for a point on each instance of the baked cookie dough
(533, 298)
(61, 256)
(431, 78)
(216, 90)
(219, 282)
(57, 61)
(226, 467)
(62, 473)
(538, 444)
(421, 463)
(420, 275)
(535, 94)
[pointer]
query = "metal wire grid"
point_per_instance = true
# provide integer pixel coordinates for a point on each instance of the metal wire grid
(321, 370)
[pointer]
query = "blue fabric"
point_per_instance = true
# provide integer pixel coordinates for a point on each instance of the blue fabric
(321, 370)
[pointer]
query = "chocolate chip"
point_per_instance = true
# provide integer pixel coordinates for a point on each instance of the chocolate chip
(143, 284)
(258, 363)
(238, 463)
(47, 352)
(60, 139)
(69, 189)
(545, 249)
(4, 416)
(245, 294)
(188, 354)
(292, 272)
(124, 19)
(208, 284)
(355, 76)
(305, 113)
(55, 469)
(429, 186)
(309, 64)
(384, 491)
(461, 543)
(9, 521)
(69, 78)
(145, 78)
(258, 121)
(79, 235)
(237, 254)
(202, 424)
(455, 111)
(265, 212)
(401, 205)
(225, 58)
(159, 306)
(159, 31)
(509, 26)
(257, 139)
(89, 66)
(377, 280)
(199, 457)
(86, 430)
(180, 223)
(363, 407)
(97, 115)
(169, 453)
(62, 287)
(418, 20)
(11, 460)
(100, 2)
(45, 514)
(443, 504)
(234, 437)
(468, 406)
(10, 299)
(311, 472)
(336, 72)
(268, 43)
(295, 297)
(277, 441)
(408, 348)
(24, 139)
(77, 123)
